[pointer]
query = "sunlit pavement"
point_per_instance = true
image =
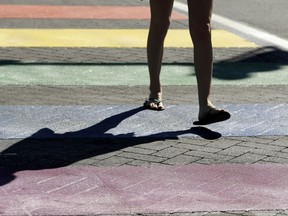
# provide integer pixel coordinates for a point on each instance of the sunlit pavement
(75, 140)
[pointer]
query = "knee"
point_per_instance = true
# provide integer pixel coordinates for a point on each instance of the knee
(200, 32)
(160, 25)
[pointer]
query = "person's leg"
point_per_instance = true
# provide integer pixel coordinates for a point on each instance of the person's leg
(200, 12)
(160, 21)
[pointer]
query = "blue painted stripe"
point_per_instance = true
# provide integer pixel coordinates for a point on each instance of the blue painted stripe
(131, 121)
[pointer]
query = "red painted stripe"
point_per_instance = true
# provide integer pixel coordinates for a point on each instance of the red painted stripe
(77, 12)
(159, 189)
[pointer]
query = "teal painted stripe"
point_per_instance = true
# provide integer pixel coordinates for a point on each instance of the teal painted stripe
(225, 74)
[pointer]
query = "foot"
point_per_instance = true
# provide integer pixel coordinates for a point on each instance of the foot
(153, 104)
(213, 115)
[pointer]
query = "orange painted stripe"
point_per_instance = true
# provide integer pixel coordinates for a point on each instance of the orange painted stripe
(77, 12)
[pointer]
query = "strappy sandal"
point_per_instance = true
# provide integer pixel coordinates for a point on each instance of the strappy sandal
(214, 115)
(153, 104)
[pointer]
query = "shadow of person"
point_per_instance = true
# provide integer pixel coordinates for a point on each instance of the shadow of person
(240, 71)
(263, 59)
(47, 150)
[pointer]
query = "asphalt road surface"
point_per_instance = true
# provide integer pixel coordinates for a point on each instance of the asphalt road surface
(268, 15)
(265, 15)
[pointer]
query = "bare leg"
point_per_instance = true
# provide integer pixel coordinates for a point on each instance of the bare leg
(200, 12)
(160, 21)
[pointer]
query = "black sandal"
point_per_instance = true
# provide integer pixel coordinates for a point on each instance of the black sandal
(213, 116)
(153, 104)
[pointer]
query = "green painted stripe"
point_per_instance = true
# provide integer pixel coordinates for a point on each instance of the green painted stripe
(225, 74)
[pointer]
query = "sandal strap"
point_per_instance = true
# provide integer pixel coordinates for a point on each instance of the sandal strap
(153, 100)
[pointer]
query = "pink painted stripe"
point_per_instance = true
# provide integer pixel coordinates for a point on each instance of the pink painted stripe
(77, 12)
(126, 190)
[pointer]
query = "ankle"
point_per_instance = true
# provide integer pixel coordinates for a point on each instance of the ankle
(157, 95)
(204, 108)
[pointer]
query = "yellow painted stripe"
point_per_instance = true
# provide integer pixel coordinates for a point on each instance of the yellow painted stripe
(110, 38)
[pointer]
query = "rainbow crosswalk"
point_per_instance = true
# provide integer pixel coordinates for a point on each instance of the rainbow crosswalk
(97, 37)
(62, 29)
(72, 80)
(94, 38)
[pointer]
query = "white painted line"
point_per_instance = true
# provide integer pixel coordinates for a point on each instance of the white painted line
(243, 28)
(254, 32)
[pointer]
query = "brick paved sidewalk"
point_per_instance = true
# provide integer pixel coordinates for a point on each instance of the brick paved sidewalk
(38, 153)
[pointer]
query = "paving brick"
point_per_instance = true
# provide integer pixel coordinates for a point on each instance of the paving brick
(236, 150)
(267, 146)
(85, 162)
(4, 144)
(157, 145)
(248, 158)
(223, 143)
(259, 139)
(139, 150)
(285, 150)
(181, 160)
(184, 214)
(106, 155)
(100, 55)
(209, 155)
(210, 150)
(282, 213)
(149, 158)
(283, 141)
(221, 214)
(142, 163)
(192, 141)
(262, 213)
(170, 152)
(187, 146)
(270, 153)
(89, 95)
(277, 160)
(229, 213)
(196, 147)
(112, 161)
(210, 161)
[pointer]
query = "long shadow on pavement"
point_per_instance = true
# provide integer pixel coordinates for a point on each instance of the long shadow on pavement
(264, 59)
(59, 150)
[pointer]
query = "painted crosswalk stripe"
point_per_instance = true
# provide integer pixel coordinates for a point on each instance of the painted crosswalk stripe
(112, 75)
(130, 121)
(110, 38)
(78, 12)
